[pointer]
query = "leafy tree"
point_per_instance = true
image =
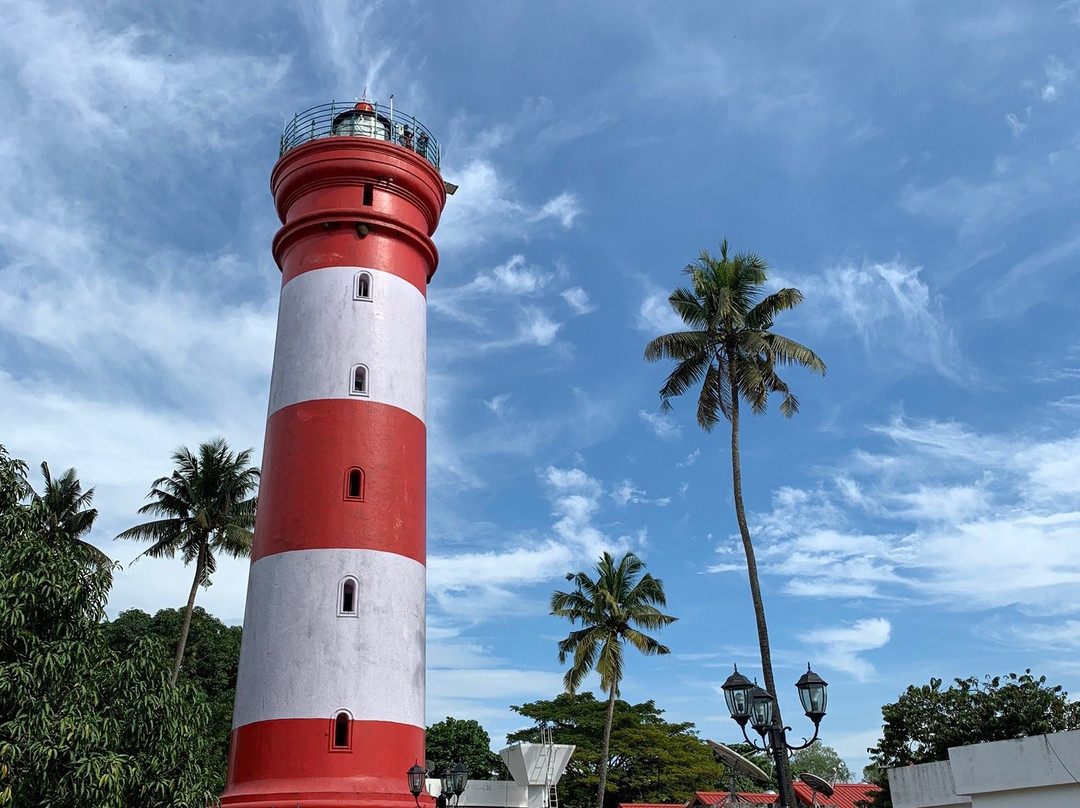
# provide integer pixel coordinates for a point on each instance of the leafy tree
(924, 722)
(822, 760)
(207, 505)
(611, 609)
(650, 759)
(65, 512)
(731, 351)
(455, 740)
(211, 660)
(80, 725)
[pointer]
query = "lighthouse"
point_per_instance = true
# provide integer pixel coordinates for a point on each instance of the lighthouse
(330, 692)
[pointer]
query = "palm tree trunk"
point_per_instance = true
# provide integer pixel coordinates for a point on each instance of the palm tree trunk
(783, 776)
(602, 789)
(200, 565)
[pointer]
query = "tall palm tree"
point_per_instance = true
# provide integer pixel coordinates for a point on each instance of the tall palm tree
(207, 506)
(64, 511)
(612, 610)
(731, 351)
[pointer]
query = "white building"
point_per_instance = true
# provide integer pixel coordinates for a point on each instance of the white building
(1042, 771)
(536, 769)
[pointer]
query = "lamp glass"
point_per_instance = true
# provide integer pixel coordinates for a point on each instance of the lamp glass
(813, 694)
(762, 706)
(459, 777)
(416, 776)
(737, 690)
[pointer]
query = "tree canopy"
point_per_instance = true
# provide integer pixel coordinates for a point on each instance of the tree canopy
(207, 506)
(211, 660)
(462, 740)
(82, 726)
(926, 721)
(650, 759)
(822, 760)
(612, 610)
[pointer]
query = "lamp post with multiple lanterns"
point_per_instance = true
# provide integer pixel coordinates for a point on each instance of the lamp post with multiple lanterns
(453, 782)
(749, 703)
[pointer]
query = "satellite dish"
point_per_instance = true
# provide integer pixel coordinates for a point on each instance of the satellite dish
(737, 762)
(818, 784)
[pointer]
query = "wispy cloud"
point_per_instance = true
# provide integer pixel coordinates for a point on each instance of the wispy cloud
(889, 303)
(663, 426)
(578, 300)
(844, 645)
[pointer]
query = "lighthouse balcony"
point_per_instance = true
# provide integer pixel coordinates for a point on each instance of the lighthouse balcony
(361, 119)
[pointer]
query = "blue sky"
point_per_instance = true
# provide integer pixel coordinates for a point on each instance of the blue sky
(912, 167)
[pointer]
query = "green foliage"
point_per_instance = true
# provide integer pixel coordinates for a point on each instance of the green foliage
(211, 660)
(612, 610)
(649, 759)
(456, 740)
(207, 506)
(823, 761)
(81, 726)
(926, 721)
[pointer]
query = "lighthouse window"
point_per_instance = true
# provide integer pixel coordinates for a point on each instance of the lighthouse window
(363, 286)
(369, 194)
(347, 604)
(360, 380)
(354, 484)
(341, 730)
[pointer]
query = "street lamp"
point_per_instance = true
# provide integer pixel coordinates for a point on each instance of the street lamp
(454, 781)
(416, 776)
(749, 703)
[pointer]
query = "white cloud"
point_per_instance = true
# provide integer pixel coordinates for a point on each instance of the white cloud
(843, 645)
(563, 208)
(655, 315)
(690, 459)
(890, 304)
(578, 300)
(1057, 76)
(1017, 126)
(663, 426)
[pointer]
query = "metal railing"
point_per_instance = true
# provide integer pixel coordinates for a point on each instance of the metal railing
(360, 119)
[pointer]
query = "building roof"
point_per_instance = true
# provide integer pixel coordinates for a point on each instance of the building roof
(845, 795)
(652, 805)
(720, 797)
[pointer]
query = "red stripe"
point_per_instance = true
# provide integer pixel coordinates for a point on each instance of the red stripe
(308, 452)
(386, 248)
(290, 762)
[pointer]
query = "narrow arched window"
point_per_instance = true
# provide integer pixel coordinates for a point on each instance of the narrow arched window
(354, 484)
(347, 603)
(341, 730)
(360, 380)
(362, 288)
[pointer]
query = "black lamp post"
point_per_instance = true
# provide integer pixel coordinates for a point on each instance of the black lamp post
(749, 703)
(454, 781)
(416, 775)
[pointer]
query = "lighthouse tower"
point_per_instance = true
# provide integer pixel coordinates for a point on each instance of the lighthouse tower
(330, 693)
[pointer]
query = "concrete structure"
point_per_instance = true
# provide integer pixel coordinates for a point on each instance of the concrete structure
(330, 693)
(1042, 771)
(536, 769)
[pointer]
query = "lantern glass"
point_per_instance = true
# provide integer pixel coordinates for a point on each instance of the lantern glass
(459, 777)
(813, 694)
(762, 706)
(416, 777)
(737, 690)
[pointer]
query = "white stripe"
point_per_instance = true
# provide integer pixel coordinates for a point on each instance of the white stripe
(323, 333)
(300, 659)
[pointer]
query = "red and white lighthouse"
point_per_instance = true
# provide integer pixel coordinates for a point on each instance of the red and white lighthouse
(330, 694)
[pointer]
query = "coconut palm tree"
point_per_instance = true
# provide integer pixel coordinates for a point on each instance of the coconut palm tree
(612, 610)
(207, 506)
(731, 351)
(65, 515)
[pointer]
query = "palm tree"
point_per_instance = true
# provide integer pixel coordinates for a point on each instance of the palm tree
(732, 353)
(611, 609)
(207, 505)
(65, 515)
